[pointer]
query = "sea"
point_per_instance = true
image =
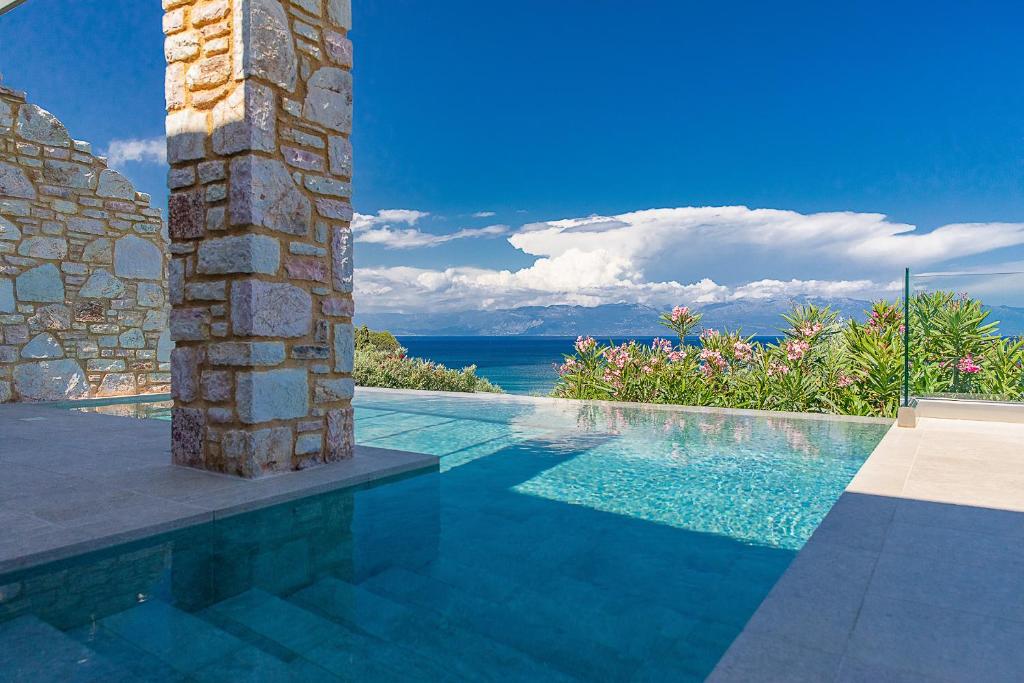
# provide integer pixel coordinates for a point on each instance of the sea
(519, 365)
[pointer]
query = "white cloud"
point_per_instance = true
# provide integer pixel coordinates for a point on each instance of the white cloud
(778, 289)
(685, 255)
(484, 214)
(363, 221)
(707, 237)
(145, 151)
(380, 229)
(411, 238)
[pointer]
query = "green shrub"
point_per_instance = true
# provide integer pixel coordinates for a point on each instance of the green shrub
(820, 364)
(380, 361)
(373, 339)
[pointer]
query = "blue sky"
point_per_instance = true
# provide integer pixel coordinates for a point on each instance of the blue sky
(541, 112)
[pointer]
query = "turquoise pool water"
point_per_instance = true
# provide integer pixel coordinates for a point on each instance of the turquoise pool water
(556, 541)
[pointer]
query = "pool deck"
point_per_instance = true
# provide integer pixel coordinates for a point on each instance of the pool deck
(72, 482)
(916, 574)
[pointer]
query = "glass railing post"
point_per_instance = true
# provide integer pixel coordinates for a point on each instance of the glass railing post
(906, 337)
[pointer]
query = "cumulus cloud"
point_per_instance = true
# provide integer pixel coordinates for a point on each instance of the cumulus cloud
(687, 255)
(409, 217)
(145, 151)
(381, 228)
(411, 238)
(709, 237)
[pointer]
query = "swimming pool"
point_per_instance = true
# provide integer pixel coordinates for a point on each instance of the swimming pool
(557, 541)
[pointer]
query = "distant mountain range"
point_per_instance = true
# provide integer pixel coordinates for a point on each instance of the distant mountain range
(754, 316)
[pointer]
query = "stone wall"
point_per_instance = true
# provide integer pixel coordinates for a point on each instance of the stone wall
(82, 268)
(259, 101)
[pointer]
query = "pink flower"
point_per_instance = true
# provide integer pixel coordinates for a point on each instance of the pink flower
(845, 380)
(612, 377)
(584, 344)
(617, 355)
(709, 334)
(663, 345)
(680, 312)
(778, 370)
(795, 350)
(968, 366)
(810, 330)
(676, 356)
(742, 351)
(568, 367)
(713, 360)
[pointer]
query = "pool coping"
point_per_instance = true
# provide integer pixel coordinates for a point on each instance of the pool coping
(523, 398)
(672, 407)
(64, 498)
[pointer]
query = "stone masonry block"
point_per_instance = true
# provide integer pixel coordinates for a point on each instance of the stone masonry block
(246, 120)
(252, 453)
(239, 254)
(188, 434)
(341, 254)
(246, 354)
(186, 136)
(185, 364)
(272, 395)
(187, 215)
(263, 193)
(344, 347)
(340, 434)
(264, 45)
(270, 309)
(329, 99)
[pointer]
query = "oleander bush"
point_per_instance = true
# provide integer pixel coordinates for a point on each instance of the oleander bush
(820, 363)
(380, 361)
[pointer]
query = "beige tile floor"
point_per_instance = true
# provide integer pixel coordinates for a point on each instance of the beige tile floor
(917, 573)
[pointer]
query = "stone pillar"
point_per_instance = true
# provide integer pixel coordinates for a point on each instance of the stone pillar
(259, 102)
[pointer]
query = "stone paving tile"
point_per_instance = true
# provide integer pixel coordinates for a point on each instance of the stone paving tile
(857, 521)
(147, 513)
(852, 671)
(1008, 496)
(821, 574)
(953, 544)
(754, 657)
(75, 505)
(938, 642)
(18, 479)
(21, 551)
(990, 589)
(16, 523)
(964, 517)
(172, 483)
